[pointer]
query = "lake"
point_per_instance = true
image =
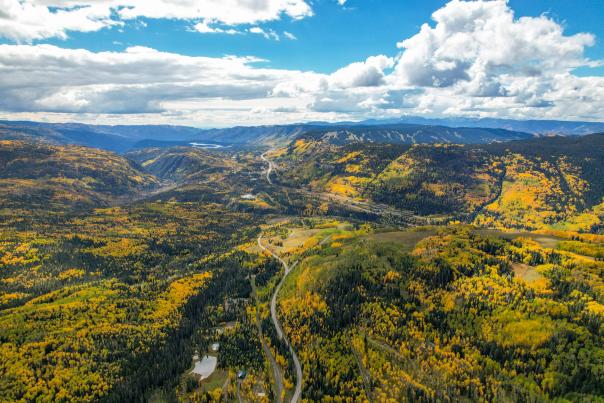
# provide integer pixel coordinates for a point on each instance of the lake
(206, 146)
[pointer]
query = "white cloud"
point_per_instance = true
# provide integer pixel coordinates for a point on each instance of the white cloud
(359, 100)
(289, 35)
(204, 27)
(479, 59)
(139, 80)
(229, 12)
(27, 20)
(362, 74)
(267, 33)
(480, 42)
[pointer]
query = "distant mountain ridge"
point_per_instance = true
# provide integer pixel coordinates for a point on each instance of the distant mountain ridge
(113, 138)
(415, 134)
(541, 127)
(122, 138)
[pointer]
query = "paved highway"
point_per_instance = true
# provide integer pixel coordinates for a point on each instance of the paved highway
(280, 334)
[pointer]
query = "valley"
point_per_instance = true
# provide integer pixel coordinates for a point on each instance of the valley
(322, 270)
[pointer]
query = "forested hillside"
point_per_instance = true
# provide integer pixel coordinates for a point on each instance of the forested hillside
(447, 315)
(553, 182)
(183, 164)
(36, 175)
(540, 183)
(102, 304)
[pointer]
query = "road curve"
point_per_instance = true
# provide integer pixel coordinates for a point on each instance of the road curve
(367, 207)
(267, 351)
(298, 390)
(269, 170)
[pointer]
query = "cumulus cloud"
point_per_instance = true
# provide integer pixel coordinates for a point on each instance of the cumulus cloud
(369, 73)
(477, 59)
(27, 20)
(399, 99)
(482, 44)
(139, 80)
(358, 101)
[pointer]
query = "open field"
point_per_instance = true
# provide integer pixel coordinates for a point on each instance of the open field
(214, 381)
(526, 272)
(545, 241)
(405, 239)
(293, 240)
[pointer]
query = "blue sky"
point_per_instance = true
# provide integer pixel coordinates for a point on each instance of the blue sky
(359, 36)
(333, 37)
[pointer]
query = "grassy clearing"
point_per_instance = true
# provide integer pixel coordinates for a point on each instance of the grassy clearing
(545, 241)
(295, 240)
(583, 252)
(406, 239)
(214, 381)
(526, 272)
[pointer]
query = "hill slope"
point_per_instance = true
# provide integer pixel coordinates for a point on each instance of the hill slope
(415, 134)
(454, 319)
(411, 129)
(350, 133)
(40, 175)
(184, 164)
(112, 138)
(534, 184)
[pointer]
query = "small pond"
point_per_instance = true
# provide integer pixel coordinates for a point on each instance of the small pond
(205, 367)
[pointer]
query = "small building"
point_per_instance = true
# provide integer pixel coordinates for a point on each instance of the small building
(248, 196)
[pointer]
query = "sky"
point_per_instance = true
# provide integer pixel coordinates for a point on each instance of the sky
(217, 63)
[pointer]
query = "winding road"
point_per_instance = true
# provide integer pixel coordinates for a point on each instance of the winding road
(267, 351)
(351, 203)
(298, 390)
(269, 170)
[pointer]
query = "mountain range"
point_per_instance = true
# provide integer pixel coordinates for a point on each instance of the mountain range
(537, 127)
(123, 138)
